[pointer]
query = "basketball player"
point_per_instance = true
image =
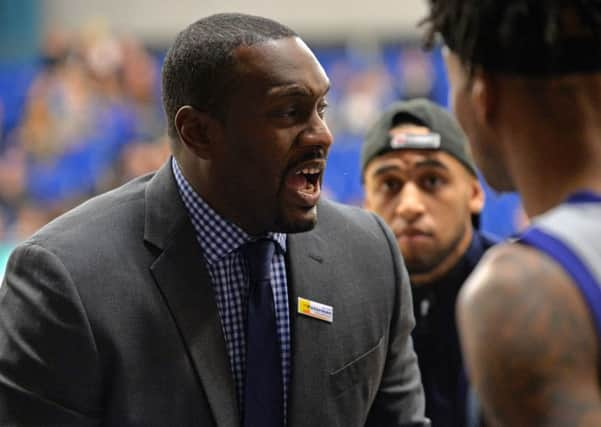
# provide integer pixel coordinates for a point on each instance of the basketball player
(526, 87)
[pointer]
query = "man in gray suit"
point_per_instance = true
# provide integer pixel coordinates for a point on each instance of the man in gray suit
(137, 308)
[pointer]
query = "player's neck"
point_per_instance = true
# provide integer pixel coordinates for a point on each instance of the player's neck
(556, 168)
(552, 141)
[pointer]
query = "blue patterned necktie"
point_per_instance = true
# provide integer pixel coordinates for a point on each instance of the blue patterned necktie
(263, 396)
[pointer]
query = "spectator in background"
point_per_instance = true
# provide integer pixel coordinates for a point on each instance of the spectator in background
(419, 177)
(12, 181)
(139, 77)
(136, 309)
(95, 94)
(526, 87)
(137, 159)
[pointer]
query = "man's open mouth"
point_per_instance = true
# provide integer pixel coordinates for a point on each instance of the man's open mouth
(305, 181)
(308, 179)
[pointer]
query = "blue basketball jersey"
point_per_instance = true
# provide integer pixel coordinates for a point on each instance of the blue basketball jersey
(571, 235)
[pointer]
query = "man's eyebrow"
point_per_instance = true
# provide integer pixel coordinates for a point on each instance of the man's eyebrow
(428, 163)
(385, 169)
(431, 163)
(293, 90)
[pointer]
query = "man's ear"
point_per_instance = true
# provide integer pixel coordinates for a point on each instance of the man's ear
(477, 197)
(197, 130)
(484, 94)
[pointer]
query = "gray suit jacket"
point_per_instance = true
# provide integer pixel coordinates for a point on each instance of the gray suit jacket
(107, 317)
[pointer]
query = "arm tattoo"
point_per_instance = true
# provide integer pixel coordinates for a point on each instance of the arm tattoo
(529, 342)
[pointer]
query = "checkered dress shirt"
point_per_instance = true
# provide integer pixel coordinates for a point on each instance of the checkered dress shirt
(220, 241)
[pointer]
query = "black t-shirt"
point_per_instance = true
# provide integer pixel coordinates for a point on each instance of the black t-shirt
(436, 340)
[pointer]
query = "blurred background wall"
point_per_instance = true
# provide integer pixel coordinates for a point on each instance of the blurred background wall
(80, 105)
(158, 21)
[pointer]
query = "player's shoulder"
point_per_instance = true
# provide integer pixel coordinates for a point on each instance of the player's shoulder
(527, 336)
(512, 275)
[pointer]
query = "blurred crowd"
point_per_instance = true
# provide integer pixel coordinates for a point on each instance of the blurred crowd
(90, 119)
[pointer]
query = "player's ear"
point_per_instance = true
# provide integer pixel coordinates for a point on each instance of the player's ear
(199, 131)
(476, 196)
(484, 95)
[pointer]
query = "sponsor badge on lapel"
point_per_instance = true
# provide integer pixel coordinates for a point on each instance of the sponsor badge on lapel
(316, 310)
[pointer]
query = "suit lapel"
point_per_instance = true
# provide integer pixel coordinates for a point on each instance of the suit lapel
(309, 271)
(184, 281)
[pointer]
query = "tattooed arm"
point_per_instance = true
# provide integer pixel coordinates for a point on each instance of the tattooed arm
(529, 342)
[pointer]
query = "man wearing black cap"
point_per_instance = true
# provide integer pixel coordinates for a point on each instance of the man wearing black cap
(419, 177)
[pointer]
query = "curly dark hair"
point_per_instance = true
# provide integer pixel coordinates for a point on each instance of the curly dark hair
(523, 37)
(199, 68)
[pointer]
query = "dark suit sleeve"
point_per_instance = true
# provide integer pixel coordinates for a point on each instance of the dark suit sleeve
(48, 358)
(400, 399)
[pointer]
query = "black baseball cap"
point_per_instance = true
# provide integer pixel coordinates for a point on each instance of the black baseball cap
(445, 133)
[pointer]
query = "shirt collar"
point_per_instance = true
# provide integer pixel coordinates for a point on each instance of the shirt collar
(218, 237)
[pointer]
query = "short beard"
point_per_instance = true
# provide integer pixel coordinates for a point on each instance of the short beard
(423, 266)
(289, 227)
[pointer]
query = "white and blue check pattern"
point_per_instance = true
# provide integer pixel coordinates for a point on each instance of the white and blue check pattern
(220, 241)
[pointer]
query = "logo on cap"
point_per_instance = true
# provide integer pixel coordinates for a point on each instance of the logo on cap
(429, 141)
